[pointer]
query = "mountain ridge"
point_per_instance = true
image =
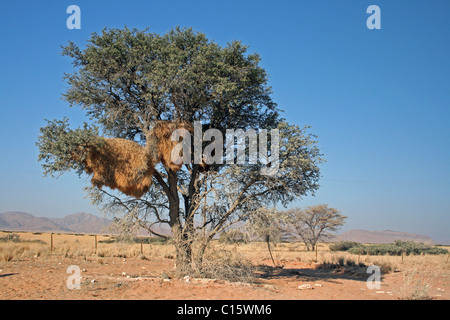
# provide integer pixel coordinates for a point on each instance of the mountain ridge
(385, 236)
(83, 222)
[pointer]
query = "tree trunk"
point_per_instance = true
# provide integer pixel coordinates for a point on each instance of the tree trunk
(183, 248)
(181, 238)
(270, 251)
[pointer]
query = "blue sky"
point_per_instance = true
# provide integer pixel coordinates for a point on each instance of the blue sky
(378, 100)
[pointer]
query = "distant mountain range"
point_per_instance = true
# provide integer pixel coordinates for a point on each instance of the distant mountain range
(87, 223)
(79, 222)
(386, 236)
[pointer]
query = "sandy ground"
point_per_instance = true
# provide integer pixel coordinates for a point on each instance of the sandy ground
(134, 278)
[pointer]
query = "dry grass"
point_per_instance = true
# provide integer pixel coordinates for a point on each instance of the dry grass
(413, 287)
(230, 261)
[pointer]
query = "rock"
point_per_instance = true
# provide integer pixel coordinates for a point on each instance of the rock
(165, 276)
(93, 281)
(124, 273)
(204, 281)
(305, 286)
(318, 285)
(269, 286)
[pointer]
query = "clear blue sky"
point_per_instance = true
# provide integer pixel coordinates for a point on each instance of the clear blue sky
(379, 100)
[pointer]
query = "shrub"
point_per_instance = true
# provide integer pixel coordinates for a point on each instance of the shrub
(234, 237)
(396, 249)
(16, 238)
(343, 245)
(224, 265)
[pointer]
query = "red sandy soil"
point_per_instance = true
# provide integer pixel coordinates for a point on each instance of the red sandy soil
(133, 278)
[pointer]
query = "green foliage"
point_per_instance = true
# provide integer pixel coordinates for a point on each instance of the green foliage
(343, 245)
(62, 149)
(315, 223)
(396, 249)
(128, 78)
(132, 239)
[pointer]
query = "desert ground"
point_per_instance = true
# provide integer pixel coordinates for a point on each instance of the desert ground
(36, 269)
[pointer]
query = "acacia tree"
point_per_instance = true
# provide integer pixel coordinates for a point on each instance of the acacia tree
(267, 224)
(127, 80)
(315, 223)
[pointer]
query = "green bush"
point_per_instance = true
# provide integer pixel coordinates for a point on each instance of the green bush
(396, 249)
(144, 240)
(343, 245)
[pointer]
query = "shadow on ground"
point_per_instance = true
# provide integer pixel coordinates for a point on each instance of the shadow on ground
(7, 274)
(326, 273)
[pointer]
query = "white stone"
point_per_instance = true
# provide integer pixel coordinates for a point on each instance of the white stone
(305, 286)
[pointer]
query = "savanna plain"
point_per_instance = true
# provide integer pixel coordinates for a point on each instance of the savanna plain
(36, 266)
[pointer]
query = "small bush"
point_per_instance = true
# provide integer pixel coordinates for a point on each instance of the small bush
(413, 288)
(343, 245)
(226, 266)
(13, 237)
(10, 238)
(234, 237)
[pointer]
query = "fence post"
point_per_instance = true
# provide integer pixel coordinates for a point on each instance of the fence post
(51, 242)
(95, 236)
(142, 249)
(316, 252)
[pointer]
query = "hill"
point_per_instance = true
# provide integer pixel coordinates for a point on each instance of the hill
(16, 220)
(78, 222)
(82, 222)
(386, 236)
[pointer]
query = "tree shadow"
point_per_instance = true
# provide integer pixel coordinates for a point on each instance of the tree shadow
(315, 273)
(8, 274)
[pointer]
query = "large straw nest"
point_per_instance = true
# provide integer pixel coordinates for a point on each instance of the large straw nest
(127, 166)
(160, 144)
(120, 164)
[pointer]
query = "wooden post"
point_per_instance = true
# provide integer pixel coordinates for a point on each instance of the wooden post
(402, 255)
(447, 258)
(95, 237)
(51, 241)
(316, 252)
(142, 248)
